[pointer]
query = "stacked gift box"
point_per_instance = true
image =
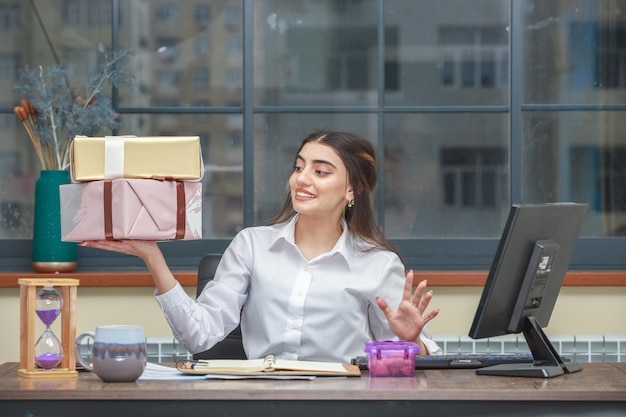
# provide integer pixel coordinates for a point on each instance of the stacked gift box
(126, 187)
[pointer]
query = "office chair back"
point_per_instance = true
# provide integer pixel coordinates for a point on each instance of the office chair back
(231, 347)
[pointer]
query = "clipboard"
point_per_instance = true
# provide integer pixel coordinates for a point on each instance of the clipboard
(266, 366)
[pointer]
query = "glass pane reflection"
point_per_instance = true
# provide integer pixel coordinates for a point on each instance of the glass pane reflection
(574, 51)
(189, 53)
(435, 57)
(315, 53)
(69, 34)
(577, 156)
(447, 175)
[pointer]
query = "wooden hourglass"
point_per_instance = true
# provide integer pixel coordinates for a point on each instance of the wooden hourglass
(48, 357)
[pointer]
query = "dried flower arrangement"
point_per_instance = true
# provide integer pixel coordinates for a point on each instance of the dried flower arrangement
(53, 115)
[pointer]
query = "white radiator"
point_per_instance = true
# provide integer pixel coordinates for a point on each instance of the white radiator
(579, 348)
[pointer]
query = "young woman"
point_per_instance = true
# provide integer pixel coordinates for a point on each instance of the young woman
(317, 283)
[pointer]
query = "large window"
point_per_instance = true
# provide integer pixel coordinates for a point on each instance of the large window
(500, 102)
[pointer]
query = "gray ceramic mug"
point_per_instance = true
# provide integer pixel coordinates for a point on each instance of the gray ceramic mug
(119, 352)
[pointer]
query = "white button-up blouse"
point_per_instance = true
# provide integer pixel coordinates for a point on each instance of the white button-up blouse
(320, 310)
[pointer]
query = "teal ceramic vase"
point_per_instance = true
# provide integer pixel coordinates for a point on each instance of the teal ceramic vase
(49, 253)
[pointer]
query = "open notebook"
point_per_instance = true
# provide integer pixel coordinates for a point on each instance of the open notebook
(266, 366)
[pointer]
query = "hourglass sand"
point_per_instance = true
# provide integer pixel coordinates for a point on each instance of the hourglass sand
(49, 357)
(48, 350)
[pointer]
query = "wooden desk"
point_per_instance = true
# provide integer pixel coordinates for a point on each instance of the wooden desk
(599, 390)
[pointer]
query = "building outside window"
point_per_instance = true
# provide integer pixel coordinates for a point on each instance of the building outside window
(474, 57)
(167, 13)
(10, 16)
(203, 16)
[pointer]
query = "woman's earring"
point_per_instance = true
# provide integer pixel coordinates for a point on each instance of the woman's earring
(350, 203)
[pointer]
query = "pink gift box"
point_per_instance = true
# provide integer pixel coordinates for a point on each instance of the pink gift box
(140, 209)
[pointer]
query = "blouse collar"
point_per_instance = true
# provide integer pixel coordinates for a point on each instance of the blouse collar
(286, 232)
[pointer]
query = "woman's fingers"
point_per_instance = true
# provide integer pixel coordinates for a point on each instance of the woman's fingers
(421, 301)
(408, 286)
(428, 317)
(419, 291)
(382, 304)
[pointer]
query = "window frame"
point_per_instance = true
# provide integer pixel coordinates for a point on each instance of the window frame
(420, 254)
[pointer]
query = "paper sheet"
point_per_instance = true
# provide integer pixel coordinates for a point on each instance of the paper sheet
(155, 372)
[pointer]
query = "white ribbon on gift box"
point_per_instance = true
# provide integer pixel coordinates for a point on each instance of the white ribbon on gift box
(113, 157)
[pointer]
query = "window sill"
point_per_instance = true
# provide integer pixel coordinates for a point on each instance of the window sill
(435, 278)
(99, 279)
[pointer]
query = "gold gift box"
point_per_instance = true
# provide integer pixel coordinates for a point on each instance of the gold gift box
(158, 157)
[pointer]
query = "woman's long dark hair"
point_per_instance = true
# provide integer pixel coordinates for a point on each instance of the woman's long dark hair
(358, 156)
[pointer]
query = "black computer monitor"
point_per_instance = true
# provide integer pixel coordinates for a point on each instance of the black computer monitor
(524, 281)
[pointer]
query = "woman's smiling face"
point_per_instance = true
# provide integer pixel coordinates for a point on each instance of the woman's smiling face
(319, 182)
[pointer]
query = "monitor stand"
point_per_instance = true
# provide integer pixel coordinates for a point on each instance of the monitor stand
(547, 361)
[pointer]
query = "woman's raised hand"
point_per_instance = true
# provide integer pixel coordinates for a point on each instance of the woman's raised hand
(410, 318)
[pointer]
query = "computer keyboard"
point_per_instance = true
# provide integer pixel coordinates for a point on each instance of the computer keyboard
(458, 361)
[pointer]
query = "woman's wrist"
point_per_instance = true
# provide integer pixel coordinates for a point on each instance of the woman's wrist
(423, 349)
